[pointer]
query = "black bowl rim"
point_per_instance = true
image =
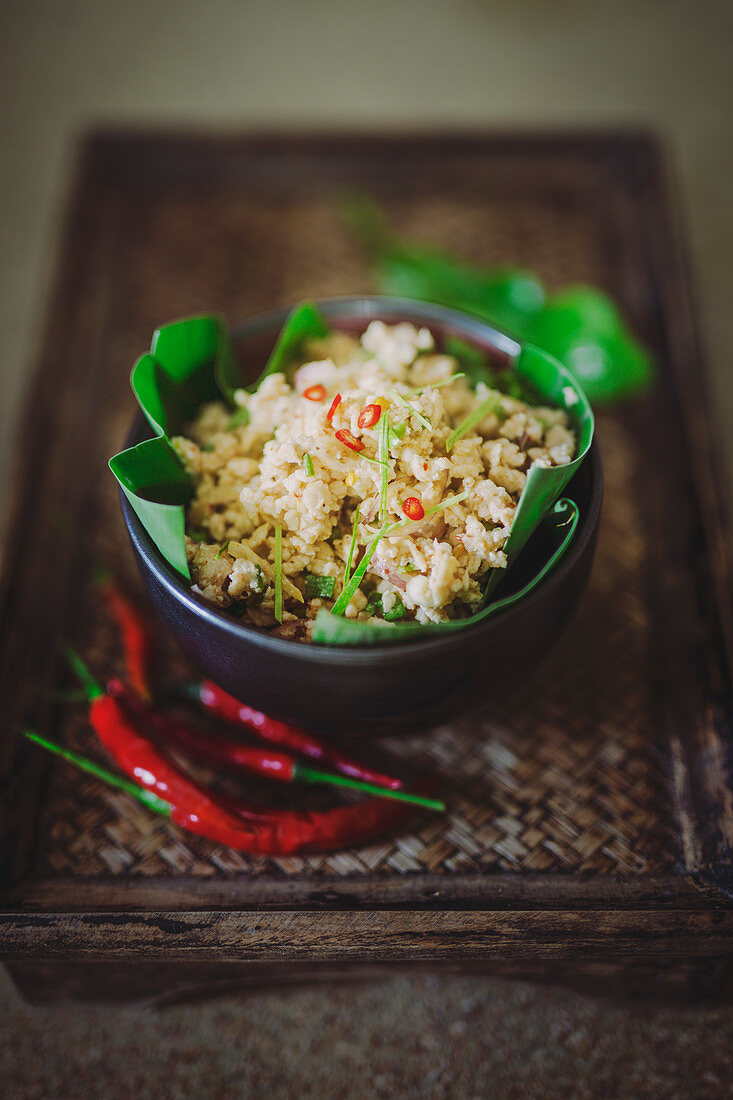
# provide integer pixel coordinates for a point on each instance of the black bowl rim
(372, 306)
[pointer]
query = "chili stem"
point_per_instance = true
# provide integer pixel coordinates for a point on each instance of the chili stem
(85, 765)
(91, 687)
(312, 775)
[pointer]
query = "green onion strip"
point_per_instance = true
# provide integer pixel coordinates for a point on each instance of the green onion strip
(474, 418)
(279, 574)
(345, 598)
(308, 464)
(350, 558)
(383, 457)
(436, 385)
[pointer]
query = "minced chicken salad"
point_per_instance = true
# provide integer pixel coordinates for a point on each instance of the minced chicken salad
(373, 480)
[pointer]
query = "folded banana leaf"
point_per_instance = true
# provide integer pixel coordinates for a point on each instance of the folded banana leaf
(191, 361)
(581, 326)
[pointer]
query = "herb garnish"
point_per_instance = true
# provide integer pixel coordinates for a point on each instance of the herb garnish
(345, 598)
(322, 587)
(350, 558)
(473, 418)
(396, 612)
(222, 549)
(437, 385)
(383, 457)
(308, 464)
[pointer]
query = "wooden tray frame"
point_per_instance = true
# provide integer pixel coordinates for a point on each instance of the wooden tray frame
(499, 917)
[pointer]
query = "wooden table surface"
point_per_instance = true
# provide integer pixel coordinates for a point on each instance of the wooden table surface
(591, 817)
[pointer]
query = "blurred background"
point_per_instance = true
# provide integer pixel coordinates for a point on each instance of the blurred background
(68, 65)
(240, 64)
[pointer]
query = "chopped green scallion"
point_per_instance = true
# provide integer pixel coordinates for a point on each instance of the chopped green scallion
(308, 464)
(279, 574)
(473, 418)
(383, 457)
(222, 549)
(316, 587)
(345, 598)
(437, 385)
(208, 446)
(349, 560)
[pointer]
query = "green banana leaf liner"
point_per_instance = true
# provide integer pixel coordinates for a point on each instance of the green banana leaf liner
(192, 361)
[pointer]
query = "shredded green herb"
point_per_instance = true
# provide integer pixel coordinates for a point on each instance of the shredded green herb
(238, 419)
(383, 457)
(208, 446)
(350, 558)
(398, 431)
(368, 458)
(409, 567)
(406, 404)
(260, 577)
(473, 418)
(223, 549)
(308, 464)
(198, 534)
(279, 574)
(348, 591)
(322, 587)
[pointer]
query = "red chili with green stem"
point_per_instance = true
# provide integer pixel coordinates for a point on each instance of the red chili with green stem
(135, 633)
(225, 706)
(226, 820)
(214, 749)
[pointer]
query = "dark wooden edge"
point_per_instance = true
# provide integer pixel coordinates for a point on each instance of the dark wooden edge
(494, 916)
(373, 934)
(693, 629)
(693, 910)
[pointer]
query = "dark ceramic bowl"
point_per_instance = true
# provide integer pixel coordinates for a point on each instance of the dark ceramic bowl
(392, 688)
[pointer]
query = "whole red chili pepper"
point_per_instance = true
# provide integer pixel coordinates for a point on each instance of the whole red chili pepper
(276, 833)
(214, 749)
(195, 808)
(135, 631)
(226, 707)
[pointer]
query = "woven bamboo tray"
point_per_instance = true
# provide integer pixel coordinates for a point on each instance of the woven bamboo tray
(591, 813)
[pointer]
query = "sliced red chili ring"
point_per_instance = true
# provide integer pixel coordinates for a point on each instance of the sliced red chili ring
(334, 405)
(344, 436)
(413, 509)
(315, 393)
(369, 416)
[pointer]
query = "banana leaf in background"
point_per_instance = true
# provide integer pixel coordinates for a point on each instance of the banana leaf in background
(191, 361)
(581, 326)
